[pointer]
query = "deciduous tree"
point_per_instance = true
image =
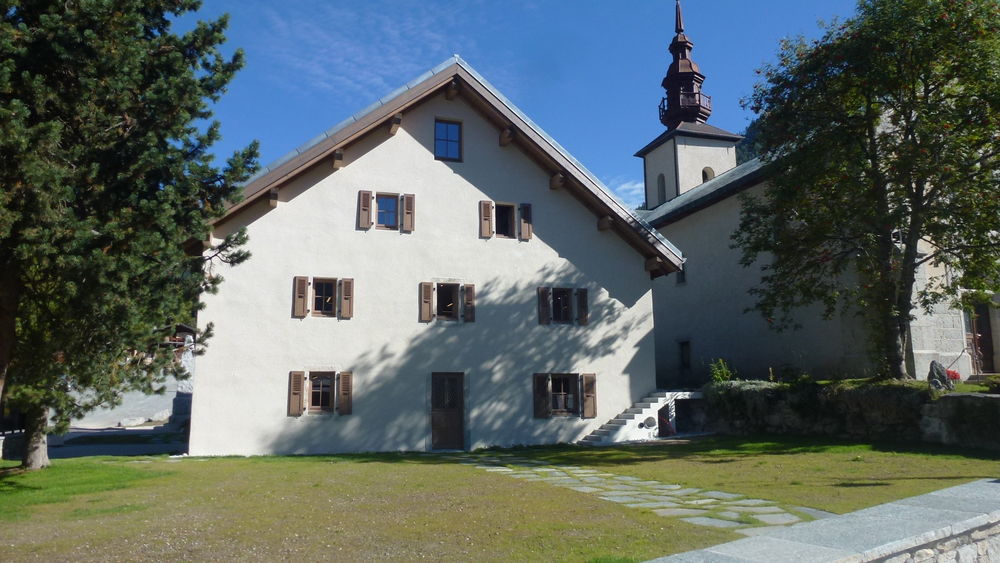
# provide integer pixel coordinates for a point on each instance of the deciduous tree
(106, 190)
(883, 139)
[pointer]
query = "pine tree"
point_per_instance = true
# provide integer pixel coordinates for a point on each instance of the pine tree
(883, 139)
(106, 191)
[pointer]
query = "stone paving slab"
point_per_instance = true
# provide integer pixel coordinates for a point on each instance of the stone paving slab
(777, 519)
(679, 511)
(712, 522)
(721, 495)
(718, 509)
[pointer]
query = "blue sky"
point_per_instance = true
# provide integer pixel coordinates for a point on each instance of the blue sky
(586, 71)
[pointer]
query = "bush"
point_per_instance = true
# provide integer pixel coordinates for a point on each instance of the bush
(720, 371)
(993, 384)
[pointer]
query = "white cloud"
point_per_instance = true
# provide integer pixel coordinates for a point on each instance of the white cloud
(632, 192)
(357, 51)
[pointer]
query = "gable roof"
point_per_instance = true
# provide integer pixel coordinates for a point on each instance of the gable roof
(728, 183)
(457, 77)
(688, 129)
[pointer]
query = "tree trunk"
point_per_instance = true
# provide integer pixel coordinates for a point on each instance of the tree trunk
(8, 313)
(36, 443)
(895, 353)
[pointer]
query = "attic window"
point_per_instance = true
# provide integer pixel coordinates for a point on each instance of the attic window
(447, 140)
(707, 174)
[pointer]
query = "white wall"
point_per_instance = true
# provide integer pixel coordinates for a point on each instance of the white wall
(660, 161)
(240, 397)
(695, 154)
(681, 160)
(708, 310)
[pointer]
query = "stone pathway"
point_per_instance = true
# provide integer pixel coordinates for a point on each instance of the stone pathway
(717, 509)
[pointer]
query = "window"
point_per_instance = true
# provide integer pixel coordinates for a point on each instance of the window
(324, 297)
(565, 394)
(557, 304)
(661, 189)
(707, 174)
(391, 211)
(562, 305)
(447, 140)
(684, 355)
(320, 392)
(447, 301)
(325, 302)
(387, 206)
(505, 226)
(505, 220)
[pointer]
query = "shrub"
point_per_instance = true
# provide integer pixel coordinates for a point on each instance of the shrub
(720, 371)
(993, 384)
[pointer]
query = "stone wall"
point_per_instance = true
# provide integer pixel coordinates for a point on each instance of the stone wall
(904, 412)
(978, 545)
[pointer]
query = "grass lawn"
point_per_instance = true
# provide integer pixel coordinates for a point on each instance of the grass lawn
(412, 506)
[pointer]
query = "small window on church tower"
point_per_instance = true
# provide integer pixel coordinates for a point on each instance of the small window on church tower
(661, 189)
(707, 174)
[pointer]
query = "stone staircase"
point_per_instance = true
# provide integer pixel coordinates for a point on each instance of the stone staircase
(639, 422)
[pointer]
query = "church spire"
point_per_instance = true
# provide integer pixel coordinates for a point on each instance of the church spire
(684, 101)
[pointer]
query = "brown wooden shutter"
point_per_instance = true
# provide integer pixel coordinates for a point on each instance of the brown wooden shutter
(542, 391)
(582, 307)
(364, 209)
(409, 208)
(485, 219)
(296, 396)
(347, 298)
(426, 301)
(526, 224)
(344, 391)
(300, 296)
(469, 311)
(544, 305)
(589, 406)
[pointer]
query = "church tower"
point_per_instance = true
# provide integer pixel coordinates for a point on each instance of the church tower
(690, 152)
(685, 100)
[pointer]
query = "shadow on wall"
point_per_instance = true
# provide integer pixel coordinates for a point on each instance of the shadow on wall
(498, 353)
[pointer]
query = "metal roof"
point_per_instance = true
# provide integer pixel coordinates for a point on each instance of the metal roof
(722, 186)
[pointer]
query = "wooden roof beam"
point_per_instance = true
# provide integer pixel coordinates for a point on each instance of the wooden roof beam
(394, 123)
(506, 136)
(557, 181)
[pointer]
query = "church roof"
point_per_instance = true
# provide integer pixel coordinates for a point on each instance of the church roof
(689, 129)
(724, 185)
(456, 74)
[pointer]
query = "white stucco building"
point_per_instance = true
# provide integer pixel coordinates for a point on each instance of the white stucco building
(433, 273)
(692, 183)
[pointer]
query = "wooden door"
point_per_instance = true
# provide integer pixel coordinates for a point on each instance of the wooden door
(447, 411)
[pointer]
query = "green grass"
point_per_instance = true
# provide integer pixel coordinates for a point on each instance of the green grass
(970, 388)
(412, 506)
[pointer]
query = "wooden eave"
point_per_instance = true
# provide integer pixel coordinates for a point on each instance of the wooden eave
(457, 80)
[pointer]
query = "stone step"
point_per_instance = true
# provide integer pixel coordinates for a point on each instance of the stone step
(601, 432)
(616, 422)
(635, 410)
